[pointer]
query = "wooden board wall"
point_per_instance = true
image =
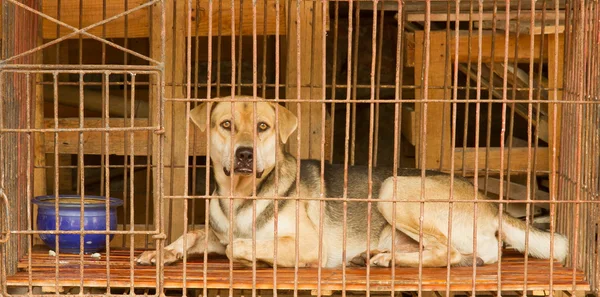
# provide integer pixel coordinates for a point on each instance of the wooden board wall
(138, 21)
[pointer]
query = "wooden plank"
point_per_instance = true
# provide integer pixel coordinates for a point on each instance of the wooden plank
(311, 59)
(517, 191)
(406, 279)
(94, 101)
(138, 22)
(438, 131)
(524, 45)
(554, 118)
(486, 50)
(410, 128)
(518, 163)
(525, 27)
(465, 16)
(69, 141)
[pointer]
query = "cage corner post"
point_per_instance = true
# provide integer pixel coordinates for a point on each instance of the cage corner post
(174, 123)
(19, 34)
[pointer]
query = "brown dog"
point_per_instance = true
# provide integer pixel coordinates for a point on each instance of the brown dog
(237, 163)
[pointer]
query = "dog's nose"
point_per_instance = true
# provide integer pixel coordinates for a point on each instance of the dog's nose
(244, 154)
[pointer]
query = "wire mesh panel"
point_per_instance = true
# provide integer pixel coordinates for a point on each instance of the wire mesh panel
(275, 147)
(82, 131)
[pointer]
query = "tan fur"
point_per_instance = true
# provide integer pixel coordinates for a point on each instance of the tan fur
(437, 249)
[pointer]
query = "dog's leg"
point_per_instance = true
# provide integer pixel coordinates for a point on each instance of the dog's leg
(435, 252)
(241, 250)
(194, 245)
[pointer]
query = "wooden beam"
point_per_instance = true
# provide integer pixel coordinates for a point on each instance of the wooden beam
(525, 27)
(410, 129)
(438, 131)
(555, 70)
(94, 101)
(92, 141)
(486, 49)
(138, 21)
(68, 142)
(465, 16)
(309, 70)
(517, 191)
(519, 157)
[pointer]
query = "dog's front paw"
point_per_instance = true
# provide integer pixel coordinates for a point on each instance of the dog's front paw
(362, 259)
(382, 259)
(149, 257)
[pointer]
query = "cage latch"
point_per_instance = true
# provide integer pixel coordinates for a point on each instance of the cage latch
(5, 235)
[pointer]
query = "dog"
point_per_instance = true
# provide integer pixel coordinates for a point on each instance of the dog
(238, 165)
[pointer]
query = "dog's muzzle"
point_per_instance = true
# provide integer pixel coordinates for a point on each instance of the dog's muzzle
(243, 163)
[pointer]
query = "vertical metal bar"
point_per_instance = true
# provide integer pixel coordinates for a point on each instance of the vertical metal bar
(425, 91)
(186, 164)
(3, 248)
(276, 202)
(264, 51)
(254, 139)
(219, 37)
(397, 131)
(159, 212)
(371, 134)
(105, 117)
(453, 137)
(514, 97)
(239, 62)
(354, 65)
(502, 142)
(488, 134)
(578, 149)
(334, 70)
(468, 88)
(125, 116)
(208, 141)
(29, 191)
(378, 82)
(529, 140)
(477, 131)
(196, 89)
(56, 181)
(322, 156)
(81, 183)
(298, 141)
(131, 186)
(346, 147)
(231, 193)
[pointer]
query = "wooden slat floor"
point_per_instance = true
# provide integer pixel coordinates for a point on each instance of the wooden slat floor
(43, 273)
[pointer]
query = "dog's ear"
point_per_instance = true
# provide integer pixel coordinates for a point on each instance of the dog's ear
(198, 115)
(288, 122)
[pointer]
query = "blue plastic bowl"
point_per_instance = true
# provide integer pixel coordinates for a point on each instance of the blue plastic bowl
(69, 212)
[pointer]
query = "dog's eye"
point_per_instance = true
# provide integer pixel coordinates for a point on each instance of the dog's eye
(262, 126)
(226, 125)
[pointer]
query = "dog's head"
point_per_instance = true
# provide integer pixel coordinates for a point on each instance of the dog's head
(233, 127)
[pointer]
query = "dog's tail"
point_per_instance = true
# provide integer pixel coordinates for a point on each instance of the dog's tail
(513, 233)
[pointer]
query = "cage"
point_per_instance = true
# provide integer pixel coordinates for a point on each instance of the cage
(105, 99)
